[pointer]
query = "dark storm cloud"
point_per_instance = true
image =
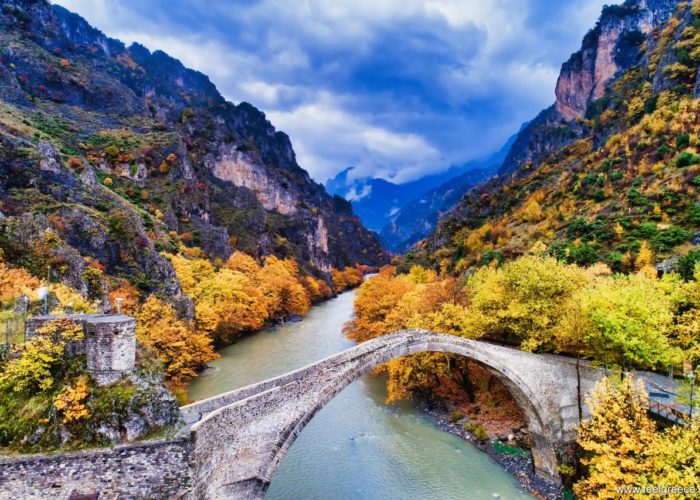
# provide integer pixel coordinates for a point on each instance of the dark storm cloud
(397, 88)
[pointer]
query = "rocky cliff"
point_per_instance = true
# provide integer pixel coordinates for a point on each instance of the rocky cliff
(113, 154)
(616, 44)
(610, 171)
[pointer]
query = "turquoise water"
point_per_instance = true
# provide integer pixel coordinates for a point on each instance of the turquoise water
(356, 447)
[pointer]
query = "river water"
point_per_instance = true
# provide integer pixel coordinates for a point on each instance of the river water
(356, 447)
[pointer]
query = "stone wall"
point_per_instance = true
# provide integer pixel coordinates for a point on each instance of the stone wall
(109, 344)
(156, 469)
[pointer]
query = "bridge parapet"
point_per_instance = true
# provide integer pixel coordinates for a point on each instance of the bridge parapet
(260, 422)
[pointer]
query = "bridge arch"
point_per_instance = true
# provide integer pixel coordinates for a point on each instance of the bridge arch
(239, 446)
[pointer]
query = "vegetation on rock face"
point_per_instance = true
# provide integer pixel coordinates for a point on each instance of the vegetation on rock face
(99, 176)
(621, 192)
(584, 245)
(48, 400)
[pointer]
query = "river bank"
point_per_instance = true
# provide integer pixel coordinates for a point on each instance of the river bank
(521, 468)
(357, 446)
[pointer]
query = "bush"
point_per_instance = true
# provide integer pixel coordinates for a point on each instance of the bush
(456, 416)
(686, 159)
(683, 140)
(667, 239)
(478, 431)
(635, 198)
(686, 265)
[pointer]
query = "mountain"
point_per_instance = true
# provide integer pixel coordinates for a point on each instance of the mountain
(376, 201)
(417, 219)
(611, 171)
(113, 154)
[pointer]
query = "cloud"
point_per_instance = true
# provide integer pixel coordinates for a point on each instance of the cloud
(396, 88)
(340, 139)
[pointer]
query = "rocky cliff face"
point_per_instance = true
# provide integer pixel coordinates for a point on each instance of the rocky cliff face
(119, 154)
(611, 48)
(613, 162)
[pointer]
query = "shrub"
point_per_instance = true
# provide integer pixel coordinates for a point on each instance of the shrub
(667, 239)
(683, 140)
(456, 416)
(686, 265)
(686, 159)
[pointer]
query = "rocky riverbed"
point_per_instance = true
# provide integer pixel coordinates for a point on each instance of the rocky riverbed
(520, 467)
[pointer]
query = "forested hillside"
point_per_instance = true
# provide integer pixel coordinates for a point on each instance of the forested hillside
(609, 173)
(586, 244)
(112, 155)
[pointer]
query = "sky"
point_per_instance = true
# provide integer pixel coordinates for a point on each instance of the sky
(397, 89)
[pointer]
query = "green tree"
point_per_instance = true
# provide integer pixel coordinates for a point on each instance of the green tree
(628, 321)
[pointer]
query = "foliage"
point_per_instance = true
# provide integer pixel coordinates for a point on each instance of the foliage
(524, 299)
(71, 401)
(622, 446)
(183, 350)
(628, 320)
(38, 362)
(15, 281)
(614, 439)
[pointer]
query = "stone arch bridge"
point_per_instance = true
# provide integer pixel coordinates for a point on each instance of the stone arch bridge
(238, 439)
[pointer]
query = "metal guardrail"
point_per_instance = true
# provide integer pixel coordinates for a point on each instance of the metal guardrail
(668, 413)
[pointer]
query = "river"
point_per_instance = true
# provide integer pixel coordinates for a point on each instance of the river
(356, 447)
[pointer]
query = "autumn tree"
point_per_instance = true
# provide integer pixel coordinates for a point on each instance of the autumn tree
(15, 281)
(376, 299)
(628, 320)
(38, 363)
(284, 292)
(615, 439)
(523, 299)
(183, 350)
(673, 457)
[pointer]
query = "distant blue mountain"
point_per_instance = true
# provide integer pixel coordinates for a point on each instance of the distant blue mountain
(417, 219)
(375, 201)
(407, 213)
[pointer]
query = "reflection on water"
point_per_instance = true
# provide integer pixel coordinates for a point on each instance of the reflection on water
(356, 446)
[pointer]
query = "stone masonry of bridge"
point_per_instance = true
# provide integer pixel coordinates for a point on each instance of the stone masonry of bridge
(239, 438)
(234, 442)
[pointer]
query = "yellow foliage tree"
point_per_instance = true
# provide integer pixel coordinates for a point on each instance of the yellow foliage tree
(525, 298)
(38, 362)
(283, 290)
(15, 281)
(615, 439)
(71, 401)
(228, 304)
(182, 349)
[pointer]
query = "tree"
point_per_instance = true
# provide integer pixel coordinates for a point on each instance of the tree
(228, 304)
(525, 298)
(376, 299)
(15, 281)
(615, 439)
(278, 280)
(183, 350)
(628, 320)
(674, 457)
(39, 361)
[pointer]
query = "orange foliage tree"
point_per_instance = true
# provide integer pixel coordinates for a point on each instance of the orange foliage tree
(182, 349)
